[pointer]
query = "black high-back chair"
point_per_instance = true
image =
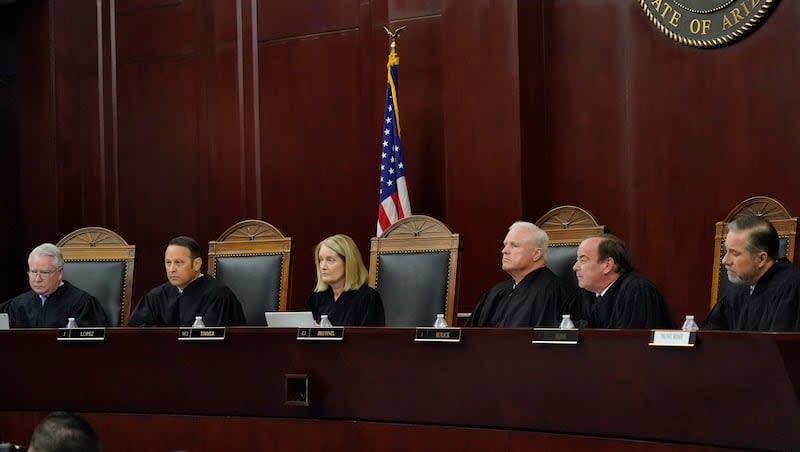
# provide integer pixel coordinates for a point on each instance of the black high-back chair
(760, 206)
(100, 262)
(253, 258)
(414, 266)
(566, 227)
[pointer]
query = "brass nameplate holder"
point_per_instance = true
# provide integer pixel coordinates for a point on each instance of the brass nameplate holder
(555, 336)
(428, 334)
(335, 333)
(82, 334)
(216, 333)
(672, 338)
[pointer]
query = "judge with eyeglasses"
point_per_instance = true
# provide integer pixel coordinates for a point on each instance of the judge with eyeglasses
(52, 300)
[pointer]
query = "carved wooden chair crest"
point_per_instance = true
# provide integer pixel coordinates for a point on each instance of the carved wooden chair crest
(101, 262)
(414, 265)
(566, 227)
(253, 258)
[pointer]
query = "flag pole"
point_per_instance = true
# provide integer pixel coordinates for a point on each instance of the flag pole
(394, 203)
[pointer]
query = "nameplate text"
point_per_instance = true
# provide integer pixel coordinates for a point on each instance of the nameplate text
(320, 334)
(672, 338)
(555, 336)
(215, 333)
(82, 334)
(428, 334)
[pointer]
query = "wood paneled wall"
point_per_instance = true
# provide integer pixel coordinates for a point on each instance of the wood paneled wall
(164, 117)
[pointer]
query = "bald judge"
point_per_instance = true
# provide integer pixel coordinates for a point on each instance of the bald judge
(534, 295)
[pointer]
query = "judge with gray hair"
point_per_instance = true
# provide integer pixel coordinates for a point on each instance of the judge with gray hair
(534, 296)
(52, 300)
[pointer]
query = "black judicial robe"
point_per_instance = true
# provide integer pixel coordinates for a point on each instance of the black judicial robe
(27, 311)
(631, 302)
(362, 307)
(205, 296)
(774, 304)
(537, 301)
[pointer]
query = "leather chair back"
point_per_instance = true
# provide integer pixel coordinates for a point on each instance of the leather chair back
(100, 262)
(253, 258)
(414, 266)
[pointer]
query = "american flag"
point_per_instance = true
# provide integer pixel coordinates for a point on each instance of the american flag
(393, 202)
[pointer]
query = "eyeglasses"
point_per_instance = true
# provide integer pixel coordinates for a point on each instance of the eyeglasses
(33, 274)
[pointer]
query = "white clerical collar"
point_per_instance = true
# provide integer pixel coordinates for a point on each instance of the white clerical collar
(180, 291)
(606, 289)
(752, 289)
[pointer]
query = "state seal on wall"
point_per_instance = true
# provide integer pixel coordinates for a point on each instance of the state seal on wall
(706, 23)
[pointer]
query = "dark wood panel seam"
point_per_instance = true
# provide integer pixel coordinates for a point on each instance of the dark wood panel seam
(178, 57)
(112, 24)
(310, 35)
(130, 12)
(101, 114)
(415, 18)
(240, 101)
(256, 111)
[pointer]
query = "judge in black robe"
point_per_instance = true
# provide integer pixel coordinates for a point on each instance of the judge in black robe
(535, 302)
(166, 306)
(51, 300)
(27, 311)
(630, 302)
(187, 294)
(765, 294)
(612, 294)
(534, 296)
(772, 305)
(361, 307)
(342, 292)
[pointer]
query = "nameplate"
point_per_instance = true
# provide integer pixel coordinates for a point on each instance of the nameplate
(320, 334)
(555, 336)
(672, 338)
(81, 334)
(428, 334)
(216, 333)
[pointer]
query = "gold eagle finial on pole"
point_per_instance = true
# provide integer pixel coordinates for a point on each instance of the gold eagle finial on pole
(393, 35)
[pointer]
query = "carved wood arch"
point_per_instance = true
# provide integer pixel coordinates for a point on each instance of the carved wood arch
(569, 225)
(420, 234)
(97, 244)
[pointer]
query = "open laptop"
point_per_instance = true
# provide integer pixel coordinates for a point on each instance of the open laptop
(3, 321)
(302, 319)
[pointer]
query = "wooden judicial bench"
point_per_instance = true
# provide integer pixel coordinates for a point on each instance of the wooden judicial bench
(143, 390)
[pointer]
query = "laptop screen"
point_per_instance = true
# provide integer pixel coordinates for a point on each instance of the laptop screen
(3, 321)
(303, 319)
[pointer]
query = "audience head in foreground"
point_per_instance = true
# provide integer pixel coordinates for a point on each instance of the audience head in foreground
(64, 432)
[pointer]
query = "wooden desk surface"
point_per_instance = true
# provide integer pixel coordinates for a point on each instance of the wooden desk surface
(737, 390)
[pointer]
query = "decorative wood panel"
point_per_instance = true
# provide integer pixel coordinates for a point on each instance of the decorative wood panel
(162, 117)
(480, 88)
(281, 20)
